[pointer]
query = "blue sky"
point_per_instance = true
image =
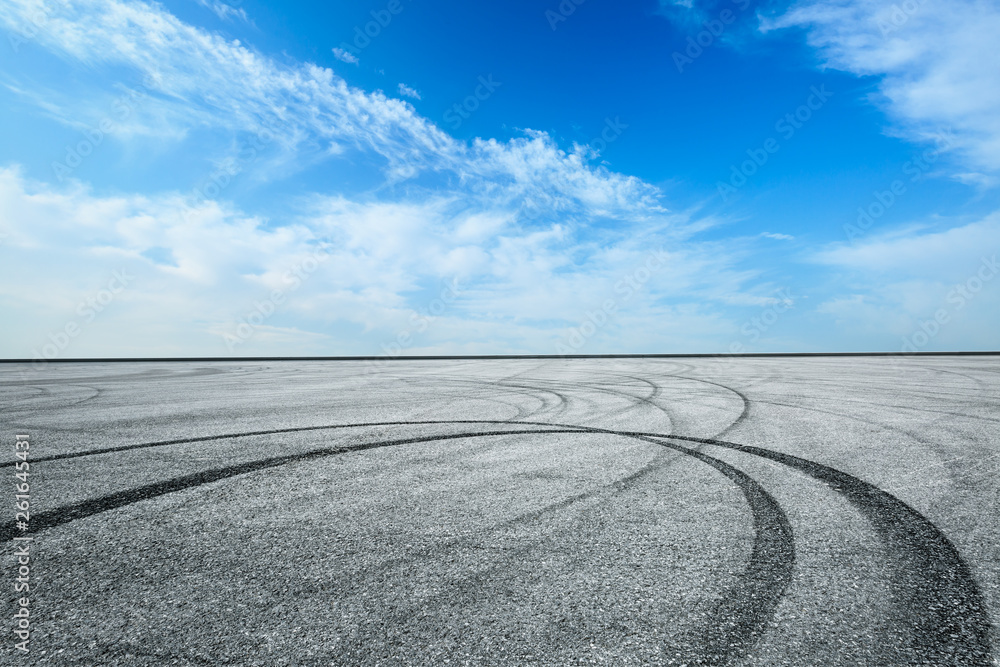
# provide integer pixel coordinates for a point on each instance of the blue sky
(200, 178)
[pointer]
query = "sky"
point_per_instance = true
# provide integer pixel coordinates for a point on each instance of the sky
(424, 177)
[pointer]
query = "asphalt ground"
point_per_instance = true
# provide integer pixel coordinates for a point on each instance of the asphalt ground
(754, 511)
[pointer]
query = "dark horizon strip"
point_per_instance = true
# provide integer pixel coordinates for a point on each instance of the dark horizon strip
(705, 355)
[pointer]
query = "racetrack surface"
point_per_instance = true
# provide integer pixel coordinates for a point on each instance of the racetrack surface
(702, 511)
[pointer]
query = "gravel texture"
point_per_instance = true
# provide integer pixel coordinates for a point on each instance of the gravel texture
(758, 511)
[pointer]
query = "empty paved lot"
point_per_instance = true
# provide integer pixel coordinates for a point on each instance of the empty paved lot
(794, 511)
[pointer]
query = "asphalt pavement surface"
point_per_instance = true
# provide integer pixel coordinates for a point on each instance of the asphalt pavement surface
(694, 511)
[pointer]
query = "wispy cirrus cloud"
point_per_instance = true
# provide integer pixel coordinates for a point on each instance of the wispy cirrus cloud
(937, 60)
(201, 79)
(406, 91)
(939, 76)
(901, 279)
(344, 55)
(224, 10)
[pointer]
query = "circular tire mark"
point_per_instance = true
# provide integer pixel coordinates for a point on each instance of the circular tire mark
(936, 595)
(736, 624)
(940, 605)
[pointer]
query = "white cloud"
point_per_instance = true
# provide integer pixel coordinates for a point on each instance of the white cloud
(198, 79)
(938, 61)
(224, 10)
(345, 56)
(946, 255)
(205, 80)
(897, 283)
(939, 77)
(408, 92)
(534, 234)
(520, 286)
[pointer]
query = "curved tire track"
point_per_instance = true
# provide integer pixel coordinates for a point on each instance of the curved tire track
(938, 601)
(736, 624)
(936, 595)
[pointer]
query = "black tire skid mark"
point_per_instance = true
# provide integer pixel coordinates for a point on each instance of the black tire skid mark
(557, 407)
(553, 408)
(525, 390)
(898, 407)
(582, 399)
(659, 388)
(736, 624)
(982, 368)
(603, 387)
(487, 387)
(41, 390)
(635, 401)
(945, 582)
(744, 414)
(979, 383)
(938, 451)
(649, 400)
(96, 390)
(80, 510)
(529, 391)
(936, 594)
(665, 410)
(250, 434)
(964, 398)
(560, 408)
(475, 583)
(521, 412)
(678, 367)
(24, 404)
(409, 400)
(743, 614)
(939, 597)
(29, 405)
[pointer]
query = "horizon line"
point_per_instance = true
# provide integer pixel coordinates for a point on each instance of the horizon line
(75, 360)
